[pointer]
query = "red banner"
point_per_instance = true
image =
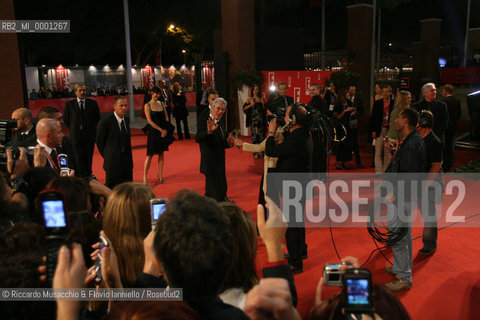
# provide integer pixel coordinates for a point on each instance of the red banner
(298, 82)
(147, 74)
(62, 78)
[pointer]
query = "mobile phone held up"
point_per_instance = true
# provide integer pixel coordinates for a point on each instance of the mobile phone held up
(51, 206)
(357, 293)
(158, 206)
(98, 264)
(63, 161)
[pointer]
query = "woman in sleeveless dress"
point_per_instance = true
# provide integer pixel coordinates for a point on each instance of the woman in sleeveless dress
(255, 107)
(160, 133)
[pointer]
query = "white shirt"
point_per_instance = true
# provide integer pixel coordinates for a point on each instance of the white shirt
(84, 104)
(119, 120)
(48, 150)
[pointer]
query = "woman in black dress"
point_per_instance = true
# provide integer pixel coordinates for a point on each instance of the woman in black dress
(180, 111)
(160, 133)
(343, 111)
(255, 107)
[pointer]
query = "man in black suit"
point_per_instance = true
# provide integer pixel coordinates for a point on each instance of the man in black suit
(81, 116)
(202, 100)
(378, 127)
(437, 107)
(279, 101)
(113, 142)
(213, 140)
(24, 135)
(358, 105)
(454, 113)
(167, 97)
(294, 156)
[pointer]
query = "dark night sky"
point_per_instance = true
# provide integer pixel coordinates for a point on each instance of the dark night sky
(97, 26)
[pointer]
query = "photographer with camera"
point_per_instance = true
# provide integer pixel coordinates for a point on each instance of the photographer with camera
(294, 155)
(24, 135)
(359, 298)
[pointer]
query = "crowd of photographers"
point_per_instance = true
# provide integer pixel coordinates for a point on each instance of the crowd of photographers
(60, 231)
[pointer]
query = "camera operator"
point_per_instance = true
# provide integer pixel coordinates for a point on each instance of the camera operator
(294, 155)
(24, 135)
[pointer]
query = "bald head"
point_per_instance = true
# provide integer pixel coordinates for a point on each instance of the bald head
(49, 132)
(23, 116)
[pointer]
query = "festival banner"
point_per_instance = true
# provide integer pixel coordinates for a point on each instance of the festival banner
(298, 82)
(62, 78)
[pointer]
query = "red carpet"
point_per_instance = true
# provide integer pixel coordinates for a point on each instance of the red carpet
(445, 285)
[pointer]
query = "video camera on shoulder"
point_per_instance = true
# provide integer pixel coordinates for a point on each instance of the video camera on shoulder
(51, 206)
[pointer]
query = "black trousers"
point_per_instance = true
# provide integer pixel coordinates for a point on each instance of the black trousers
(355, 147)
(216, 187)
(185, 127)
(83, 158)
(115, 178)
(295, 235)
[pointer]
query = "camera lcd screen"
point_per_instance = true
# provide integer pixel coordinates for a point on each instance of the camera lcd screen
(54, 214)
(63, 161)
(357, 291)
(158, 209)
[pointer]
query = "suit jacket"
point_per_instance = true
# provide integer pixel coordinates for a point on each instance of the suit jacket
(275, 102)
(73, 121)
(454, 113)
(115, 148)
(319, 104)
(199, 97)
(212, 146)
(294, 154)
(376, 120)
(18, 140)
(358, 104)
(167, 98)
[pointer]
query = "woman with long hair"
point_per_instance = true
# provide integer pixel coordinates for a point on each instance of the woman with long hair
(378, 95)
(160, 133)
(255, 109)
(126, 223)
(342, 111)
(393, 136)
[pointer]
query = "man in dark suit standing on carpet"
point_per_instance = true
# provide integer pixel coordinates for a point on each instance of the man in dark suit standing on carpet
(279, 100)
(213, 140)
(167, 97)
(81, 116)
(113, 142)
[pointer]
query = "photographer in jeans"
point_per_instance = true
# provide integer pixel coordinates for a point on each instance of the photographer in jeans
(409, 158)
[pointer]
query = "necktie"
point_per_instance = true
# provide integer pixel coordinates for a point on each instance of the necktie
(286, 102)
(123, 127)
(54, 159)
(82, 110)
